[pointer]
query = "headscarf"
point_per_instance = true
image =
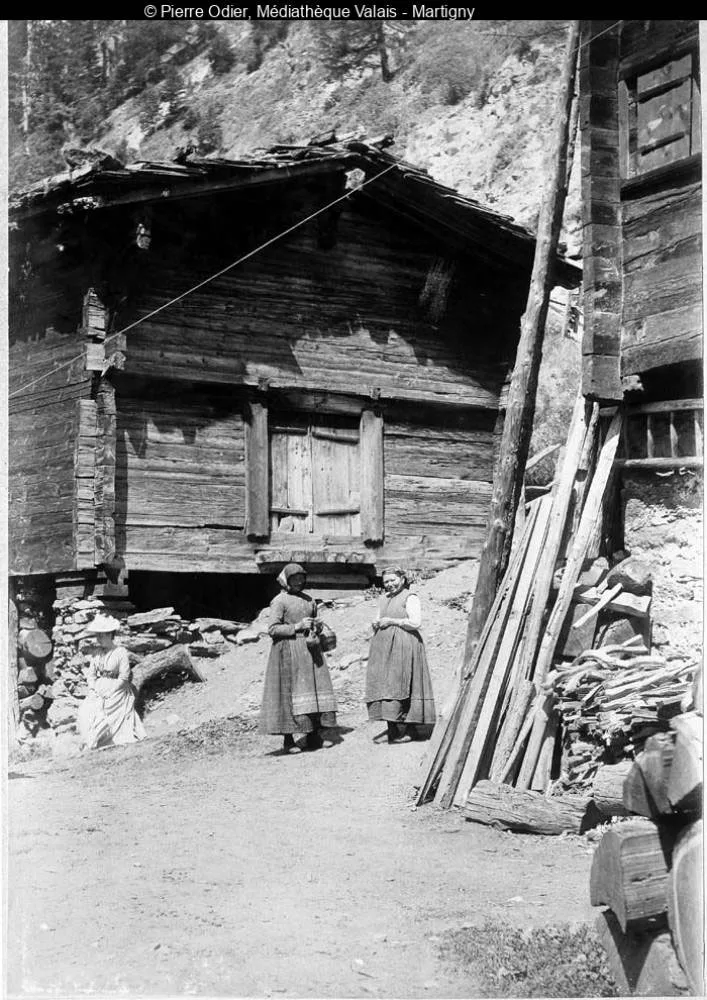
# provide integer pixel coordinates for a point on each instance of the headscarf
(290, 570)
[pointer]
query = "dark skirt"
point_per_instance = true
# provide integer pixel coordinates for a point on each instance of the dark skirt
(398, 684)
(298, 696)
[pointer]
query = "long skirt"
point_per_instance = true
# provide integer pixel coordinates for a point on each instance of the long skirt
(298, 696)
(398, 684)
(107, 716)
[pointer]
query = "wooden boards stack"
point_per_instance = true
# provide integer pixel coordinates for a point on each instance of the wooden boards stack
(502, 723)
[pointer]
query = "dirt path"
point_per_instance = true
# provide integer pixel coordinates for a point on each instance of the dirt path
(201, 864)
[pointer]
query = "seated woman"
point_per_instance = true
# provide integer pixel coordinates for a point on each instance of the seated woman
(107, 715)
(298, 696)
(398, 684)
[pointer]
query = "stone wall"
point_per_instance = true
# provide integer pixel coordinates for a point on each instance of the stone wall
(663, 523)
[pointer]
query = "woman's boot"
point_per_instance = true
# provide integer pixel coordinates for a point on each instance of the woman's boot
(313, 741)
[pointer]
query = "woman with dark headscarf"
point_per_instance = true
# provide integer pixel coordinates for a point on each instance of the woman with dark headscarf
(298, 696)
(398, 685)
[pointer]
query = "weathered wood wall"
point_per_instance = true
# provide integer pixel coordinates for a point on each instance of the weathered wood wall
(299, 315)
(181, 499)
(47, 381)
(180, 480)
(643, 242)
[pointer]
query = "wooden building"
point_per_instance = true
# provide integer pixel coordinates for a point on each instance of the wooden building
(642, 202)
(202, 381)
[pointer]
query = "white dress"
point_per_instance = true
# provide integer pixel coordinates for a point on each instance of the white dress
(107, 715)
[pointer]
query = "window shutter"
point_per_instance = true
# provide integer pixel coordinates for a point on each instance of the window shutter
(257, 523)
(372, 477)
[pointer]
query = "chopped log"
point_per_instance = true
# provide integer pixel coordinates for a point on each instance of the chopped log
(525, 812)
(686, 904)
(34, 701)
(174, 659)
(630, 871)
(27, 675)
(633, 574)
(608, 788)
(517, 426)
(221, 624)
(35, 644)
(643, 964)
(646, 785)
(685, 779)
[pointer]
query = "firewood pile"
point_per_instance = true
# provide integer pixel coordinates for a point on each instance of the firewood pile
(562, 677)
(51, 664)
(647, 870)
(611, 700)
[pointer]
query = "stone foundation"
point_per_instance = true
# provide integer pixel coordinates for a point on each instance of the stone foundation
(663, 523)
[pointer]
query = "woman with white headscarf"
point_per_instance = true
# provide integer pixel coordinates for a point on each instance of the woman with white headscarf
(107, 715)
(298, 696)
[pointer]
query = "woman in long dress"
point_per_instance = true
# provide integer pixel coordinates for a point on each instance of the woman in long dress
(398, 684)
(298, 696)
(107, 715)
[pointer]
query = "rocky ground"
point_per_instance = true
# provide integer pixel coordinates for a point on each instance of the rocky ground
(201, 862)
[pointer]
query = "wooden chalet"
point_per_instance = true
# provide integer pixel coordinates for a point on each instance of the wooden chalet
(641, 155)
(642, 203)
(201, 383)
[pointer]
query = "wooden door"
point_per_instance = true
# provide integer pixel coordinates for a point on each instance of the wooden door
(315, 477)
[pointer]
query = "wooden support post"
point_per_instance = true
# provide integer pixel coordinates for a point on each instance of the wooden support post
(257, 455)
(520, 411)
(372, 477)
(13, 704)
(104, 473)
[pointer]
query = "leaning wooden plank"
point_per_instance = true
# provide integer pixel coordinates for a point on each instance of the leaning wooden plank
(686, 914)
(490, 701)
(572, 569)
(643, 964)
(630, 871)
(582, 426)
(525, 812)
(473, 699)
(538, 735)
(608, 789)
(543, 769)
(446, 725)
(646, 784)
(176, 658)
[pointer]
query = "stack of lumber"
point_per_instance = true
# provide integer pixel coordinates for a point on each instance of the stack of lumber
(611, 700)
(647, 870)
(502, 723)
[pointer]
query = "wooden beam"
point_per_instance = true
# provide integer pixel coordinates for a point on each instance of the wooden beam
(372, 477)
(520, 411)
(257, 452)
(104, 473)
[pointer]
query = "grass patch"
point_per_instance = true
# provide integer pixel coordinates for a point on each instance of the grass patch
(545, 962)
